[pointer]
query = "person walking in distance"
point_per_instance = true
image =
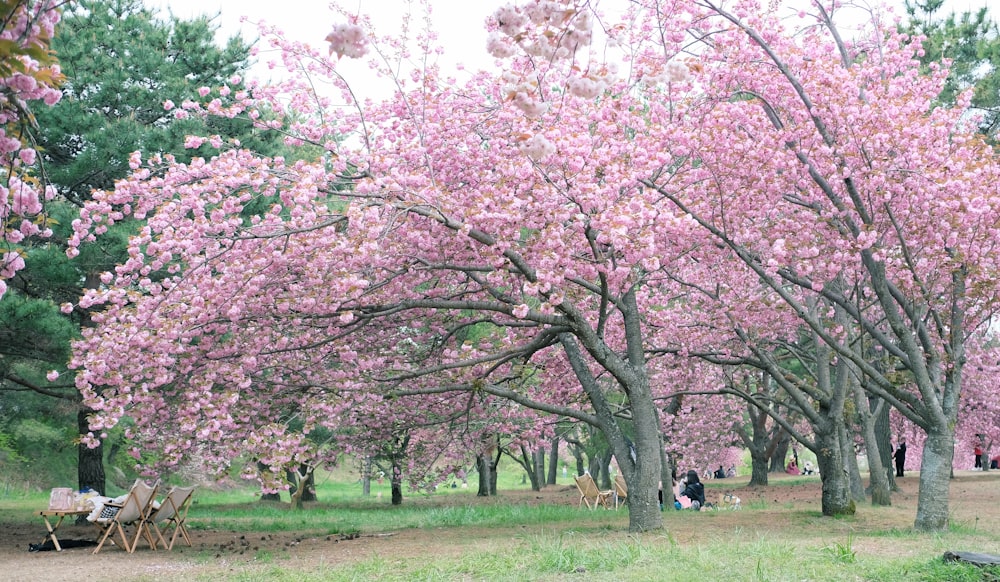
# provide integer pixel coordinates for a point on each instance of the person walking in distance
(900, 456)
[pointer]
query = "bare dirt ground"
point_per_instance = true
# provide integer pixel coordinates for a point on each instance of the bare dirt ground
(974, 501)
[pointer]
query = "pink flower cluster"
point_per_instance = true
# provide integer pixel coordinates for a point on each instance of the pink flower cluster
(544, 29)
(537, 147)
(348, 40)
(28, 27)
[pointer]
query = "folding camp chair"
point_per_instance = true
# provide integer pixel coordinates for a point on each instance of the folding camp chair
(172, 513)
(621, 491)
(590, 494)
(133, 510)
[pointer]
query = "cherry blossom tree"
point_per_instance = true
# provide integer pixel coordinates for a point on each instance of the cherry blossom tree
(550, 234)
(28, 75)
(865, 197)
(210, 330)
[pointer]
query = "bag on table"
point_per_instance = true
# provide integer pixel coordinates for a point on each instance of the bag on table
(62, 499)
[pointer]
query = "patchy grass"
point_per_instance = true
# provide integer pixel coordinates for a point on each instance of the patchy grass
(524, 535)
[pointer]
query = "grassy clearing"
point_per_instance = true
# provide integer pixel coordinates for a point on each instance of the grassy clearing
(453, 535)
(378, 517)
(593, 555)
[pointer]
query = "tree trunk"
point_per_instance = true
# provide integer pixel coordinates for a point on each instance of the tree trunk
(493, 472)
(539, 481)
(301, 486)
(309, 494)
(366, 477)
(594, 468)
(643, 472)
(758, 470)
(484, 467)
(836, 498)
(296, 480)
(850, 455)
(90, 462)
(581, 465)
(644, 486)
(397, 483)
(935, 469)
(877, 476)
(529, 462)
(605, 477)
(759, 447)
(760, 441)
(780, 453)
(883, 437)
(553, 461)
(487, 468)
(667, 471)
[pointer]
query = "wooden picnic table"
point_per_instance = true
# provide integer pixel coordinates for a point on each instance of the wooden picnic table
(52, 528)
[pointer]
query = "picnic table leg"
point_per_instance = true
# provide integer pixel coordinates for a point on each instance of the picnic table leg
(52, 531)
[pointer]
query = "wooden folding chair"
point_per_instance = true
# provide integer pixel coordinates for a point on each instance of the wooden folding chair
(621, 491)
(172, 514)
(133, 510)
(590, 494)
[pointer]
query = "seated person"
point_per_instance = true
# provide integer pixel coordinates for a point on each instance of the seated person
(808, 469)
(694, 490)
(793, 468)
(995, 462)
(720, 473)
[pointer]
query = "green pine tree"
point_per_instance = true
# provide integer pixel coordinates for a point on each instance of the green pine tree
(971, 42)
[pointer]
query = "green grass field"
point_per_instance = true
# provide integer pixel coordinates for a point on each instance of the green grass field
(454, 535)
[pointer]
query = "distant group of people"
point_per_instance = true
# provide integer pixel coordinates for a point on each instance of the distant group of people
(721, 473)
(807, 468)
(980, 452)
(688, 493)
(692, 492)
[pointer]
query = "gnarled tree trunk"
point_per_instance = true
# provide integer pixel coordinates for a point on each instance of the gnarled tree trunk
(935, 471)
(836, 486)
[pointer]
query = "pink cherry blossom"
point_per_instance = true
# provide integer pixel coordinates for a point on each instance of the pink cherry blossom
(27, 28)
(559, 241)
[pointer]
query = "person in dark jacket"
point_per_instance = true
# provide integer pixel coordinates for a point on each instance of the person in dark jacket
(694, 490)
(900, 457)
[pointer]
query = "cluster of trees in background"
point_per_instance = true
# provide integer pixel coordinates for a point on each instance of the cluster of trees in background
(755, 238)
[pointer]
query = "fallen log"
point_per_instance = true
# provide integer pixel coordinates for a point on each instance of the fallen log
(972, 558)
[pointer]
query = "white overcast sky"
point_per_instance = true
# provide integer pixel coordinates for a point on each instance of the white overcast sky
(459, 23)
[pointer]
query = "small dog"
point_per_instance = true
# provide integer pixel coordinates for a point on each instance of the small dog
(730, 501)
